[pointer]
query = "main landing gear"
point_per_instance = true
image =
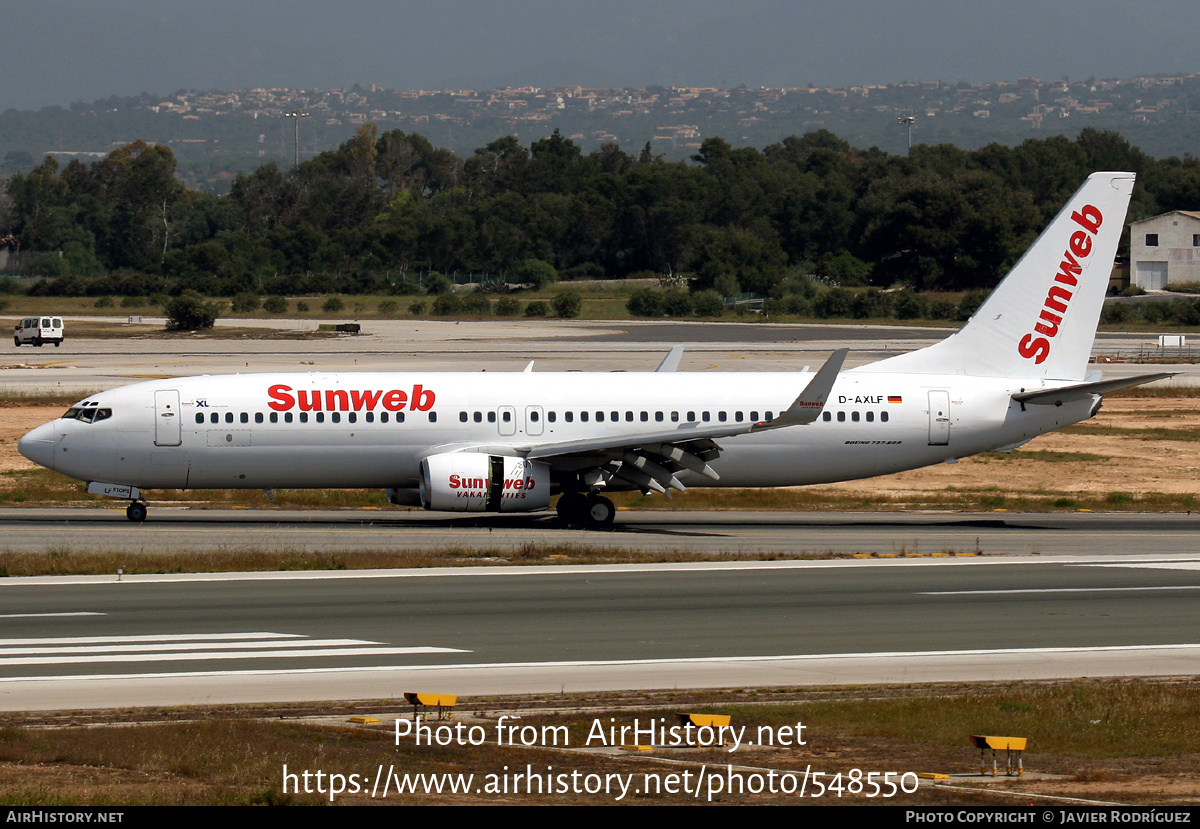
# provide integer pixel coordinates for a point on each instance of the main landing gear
(591, 511)
(136, 512)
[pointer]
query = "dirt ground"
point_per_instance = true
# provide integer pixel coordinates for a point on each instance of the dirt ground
(1125, 463)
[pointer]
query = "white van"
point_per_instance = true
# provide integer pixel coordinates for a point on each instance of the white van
(38, 330)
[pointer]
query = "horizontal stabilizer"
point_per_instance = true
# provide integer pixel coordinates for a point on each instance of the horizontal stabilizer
(1065, 394)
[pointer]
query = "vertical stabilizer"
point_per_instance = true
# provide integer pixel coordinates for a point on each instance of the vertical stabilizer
(1041, 320)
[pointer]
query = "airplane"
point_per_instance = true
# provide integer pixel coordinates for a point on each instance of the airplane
(509, 441)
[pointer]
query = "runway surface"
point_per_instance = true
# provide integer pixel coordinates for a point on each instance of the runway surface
(712, 533)
(175, 639)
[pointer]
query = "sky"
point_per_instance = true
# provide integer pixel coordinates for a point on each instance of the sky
(55, 52)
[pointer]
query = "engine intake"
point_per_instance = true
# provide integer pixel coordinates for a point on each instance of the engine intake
(472, 482)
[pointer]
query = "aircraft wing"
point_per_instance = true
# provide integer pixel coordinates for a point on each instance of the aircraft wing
(650, 459)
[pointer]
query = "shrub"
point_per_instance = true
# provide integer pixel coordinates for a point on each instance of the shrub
(417, 308)
(708, 304)
(302, 307)
(537, 308)
(798, 304)
(333, 305)
(833, 303)
(872, 304)
(537, 272)
(103, 302)
(435, 283)
(446, 304)
(942, 309)
(970, 303)
(677, 303)
(133, 302)
(388, 306)
(189, 311)
(508, 307)
(245, 302)
(567, 304)
(475, 303)
(275, 304)
(645, 302)
(910, 305)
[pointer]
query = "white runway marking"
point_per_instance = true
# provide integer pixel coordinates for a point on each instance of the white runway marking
(794, 659)
(190, 647)
(47, 615)
(1153, 565)
(1057, 590)
(162, 637)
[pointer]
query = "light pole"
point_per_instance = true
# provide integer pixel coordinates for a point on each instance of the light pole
(908, 120)
(298, 115)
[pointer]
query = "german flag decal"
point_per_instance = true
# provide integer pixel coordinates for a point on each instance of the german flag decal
(894, 398)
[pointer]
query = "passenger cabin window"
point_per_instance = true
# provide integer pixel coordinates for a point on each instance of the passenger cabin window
(258, 418)
(244, 418)
(214, 418)
(199, 417)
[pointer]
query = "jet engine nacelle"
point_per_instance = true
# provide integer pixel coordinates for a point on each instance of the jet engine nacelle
(474, 482)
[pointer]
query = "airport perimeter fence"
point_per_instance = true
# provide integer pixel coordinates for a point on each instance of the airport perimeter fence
(1150, 354)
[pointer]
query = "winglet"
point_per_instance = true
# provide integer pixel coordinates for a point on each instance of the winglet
(671, 361)
(807, 407)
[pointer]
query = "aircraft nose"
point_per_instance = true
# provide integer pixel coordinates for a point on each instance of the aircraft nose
(39, 445)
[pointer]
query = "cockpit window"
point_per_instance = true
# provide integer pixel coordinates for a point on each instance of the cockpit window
(87, 415)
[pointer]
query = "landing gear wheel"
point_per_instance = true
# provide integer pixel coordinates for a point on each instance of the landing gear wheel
(600, 511)
(136, 512)
(572, 508)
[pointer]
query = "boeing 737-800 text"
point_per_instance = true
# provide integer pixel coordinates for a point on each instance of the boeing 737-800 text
(507, 442)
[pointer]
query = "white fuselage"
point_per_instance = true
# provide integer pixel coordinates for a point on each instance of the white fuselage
(372, 430)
